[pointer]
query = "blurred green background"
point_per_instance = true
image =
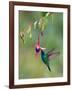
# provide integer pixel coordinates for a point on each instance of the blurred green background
(29, 65)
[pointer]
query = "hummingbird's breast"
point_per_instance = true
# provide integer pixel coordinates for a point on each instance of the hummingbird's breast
(42, 55)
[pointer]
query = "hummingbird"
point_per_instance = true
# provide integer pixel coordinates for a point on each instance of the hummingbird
(47, 56)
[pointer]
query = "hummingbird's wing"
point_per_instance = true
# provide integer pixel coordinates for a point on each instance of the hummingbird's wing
(50, 56)
(50, 51)
(53, 54)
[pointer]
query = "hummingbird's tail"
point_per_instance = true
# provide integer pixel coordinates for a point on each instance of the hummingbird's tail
(49, 68)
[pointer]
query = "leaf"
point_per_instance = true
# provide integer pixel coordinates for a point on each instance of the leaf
(22, 36)
(30, 35)
(29, 29)
(35, 24)
(41, 24)
(44, 13)
(47, 14)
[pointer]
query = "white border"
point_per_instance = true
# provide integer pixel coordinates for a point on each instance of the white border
(16, 45)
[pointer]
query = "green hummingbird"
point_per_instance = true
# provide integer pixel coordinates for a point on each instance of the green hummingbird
(47, 56)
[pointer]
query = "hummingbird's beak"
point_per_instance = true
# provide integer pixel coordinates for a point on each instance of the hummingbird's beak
(42, 48)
